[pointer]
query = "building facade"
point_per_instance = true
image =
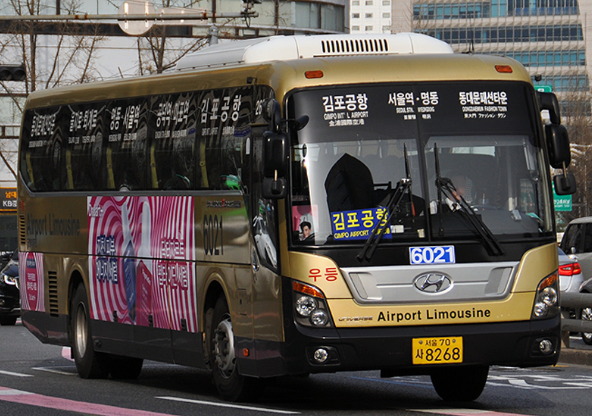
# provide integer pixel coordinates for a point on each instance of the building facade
(371, 16)
(550, 37)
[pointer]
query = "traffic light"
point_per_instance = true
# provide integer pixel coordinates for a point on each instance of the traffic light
(12, 73)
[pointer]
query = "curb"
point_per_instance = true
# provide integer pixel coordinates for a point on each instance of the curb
(575, 356)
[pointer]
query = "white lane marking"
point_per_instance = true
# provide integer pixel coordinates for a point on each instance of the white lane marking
(10, 373)
(54, 371)
(464, 412)
(12, 392)
(229, 405)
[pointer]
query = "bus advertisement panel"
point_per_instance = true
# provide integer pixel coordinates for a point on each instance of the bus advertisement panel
(142, 270)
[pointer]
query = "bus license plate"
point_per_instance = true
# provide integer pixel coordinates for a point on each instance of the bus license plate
(441, 350)
(432, 255)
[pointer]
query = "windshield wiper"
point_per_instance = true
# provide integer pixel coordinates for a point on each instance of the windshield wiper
(402, 187)
(380, 227)
(446, 187)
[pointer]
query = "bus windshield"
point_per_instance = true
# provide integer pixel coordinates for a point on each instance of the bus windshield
(467, 152)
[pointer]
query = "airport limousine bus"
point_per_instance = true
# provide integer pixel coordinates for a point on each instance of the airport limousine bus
(297, 205)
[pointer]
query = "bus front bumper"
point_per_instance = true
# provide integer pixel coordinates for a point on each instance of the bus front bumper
(390, 349)
(309, 350)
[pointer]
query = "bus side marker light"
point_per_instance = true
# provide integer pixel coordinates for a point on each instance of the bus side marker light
(313, 74)
(504, 69)
(246, 352)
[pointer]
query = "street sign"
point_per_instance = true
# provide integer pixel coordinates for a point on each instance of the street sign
(543, 88)
(562, 202)
(8, 200)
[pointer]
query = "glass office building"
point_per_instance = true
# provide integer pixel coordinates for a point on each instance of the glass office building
(550, 37)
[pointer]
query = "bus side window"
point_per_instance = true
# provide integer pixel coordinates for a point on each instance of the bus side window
(174, 164)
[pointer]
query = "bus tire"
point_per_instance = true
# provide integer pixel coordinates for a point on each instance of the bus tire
(231, 385)
(89, 363)
(460, 384)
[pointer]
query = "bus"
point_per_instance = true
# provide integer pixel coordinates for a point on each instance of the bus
(294, 205)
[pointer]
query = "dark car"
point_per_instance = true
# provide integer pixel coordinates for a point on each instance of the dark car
(10, 301)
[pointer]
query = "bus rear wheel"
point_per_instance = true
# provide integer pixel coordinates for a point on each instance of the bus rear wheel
(89, 363)
(460, 384)
(230, 384)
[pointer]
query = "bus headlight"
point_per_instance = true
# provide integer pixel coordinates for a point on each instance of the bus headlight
(319, 317)
(310, 306)
(546, 304)
(305, 305)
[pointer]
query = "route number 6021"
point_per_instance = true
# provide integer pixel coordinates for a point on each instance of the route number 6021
(432, 255)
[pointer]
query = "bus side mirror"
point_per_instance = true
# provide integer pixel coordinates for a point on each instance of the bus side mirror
(272, 114)
(565, 184)
(548, 101)
(275, 162)
(558, 145)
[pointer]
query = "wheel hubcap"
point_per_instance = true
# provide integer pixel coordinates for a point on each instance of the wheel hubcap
(224, 347)
(80, 331)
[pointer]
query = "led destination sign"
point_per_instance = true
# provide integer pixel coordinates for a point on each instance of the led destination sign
(383, 110)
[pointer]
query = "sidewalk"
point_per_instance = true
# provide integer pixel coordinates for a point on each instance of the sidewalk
(575, 356)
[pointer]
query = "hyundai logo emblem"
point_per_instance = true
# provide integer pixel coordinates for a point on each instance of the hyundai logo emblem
(433, 282)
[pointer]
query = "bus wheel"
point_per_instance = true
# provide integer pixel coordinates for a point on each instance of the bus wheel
(230, 384)
(89, 364)
(460, 384)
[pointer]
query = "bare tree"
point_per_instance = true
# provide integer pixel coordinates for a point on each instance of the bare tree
(579, 125)
(50, 60)
(157, 52)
